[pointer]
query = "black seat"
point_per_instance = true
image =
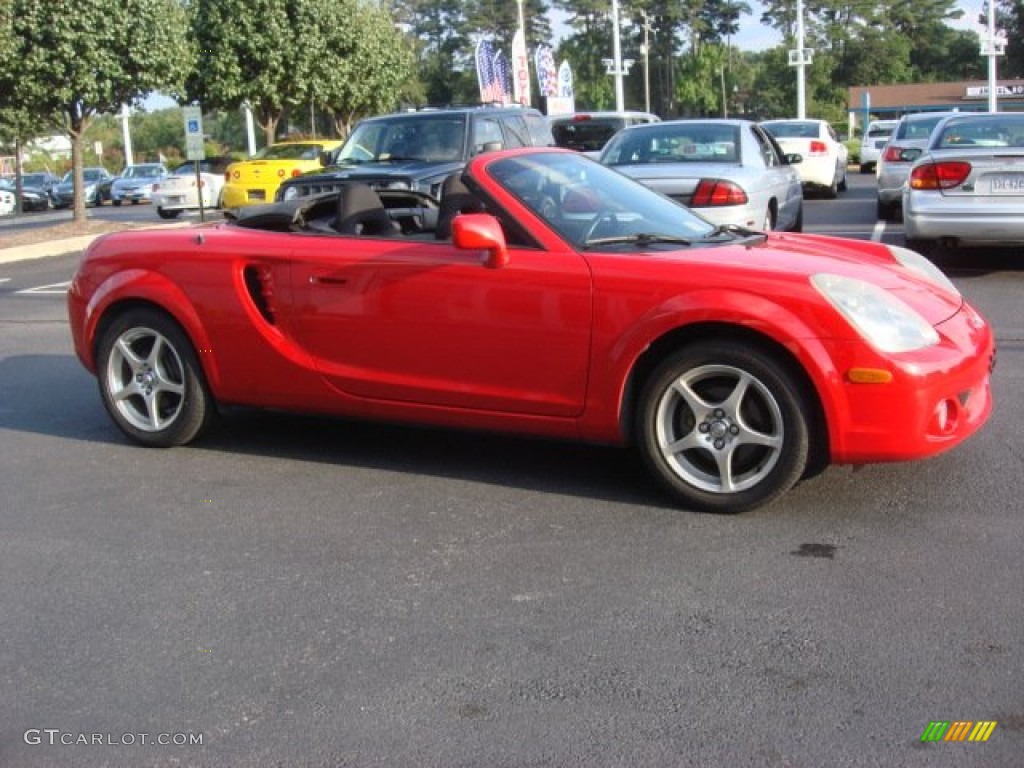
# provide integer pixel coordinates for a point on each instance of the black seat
(455, 199)
(360, 212)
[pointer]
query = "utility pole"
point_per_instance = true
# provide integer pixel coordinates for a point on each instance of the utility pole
(992, 46)
(617, 55)
(800, 58)
(129, 158)
(647, 62)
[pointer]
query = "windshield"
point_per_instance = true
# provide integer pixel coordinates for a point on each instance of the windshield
(695, 142)
(918, 129)
(430, 138)
(590, 205)
(290, 152)
(1004, 129)
(585, 134)
(89, 174)
(880, 131)
(33, 179)
(793, 130)
(141, 172)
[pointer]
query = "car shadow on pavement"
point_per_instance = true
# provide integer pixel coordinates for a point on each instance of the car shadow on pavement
(28, 405)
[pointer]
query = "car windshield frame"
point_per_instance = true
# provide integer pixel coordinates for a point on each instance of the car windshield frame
(434, 137)
(298, 151)
(596, 206)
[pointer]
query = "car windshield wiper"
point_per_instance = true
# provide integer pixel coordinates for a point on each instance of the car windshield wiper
(640, 238)
(399, 159)
(733, 229)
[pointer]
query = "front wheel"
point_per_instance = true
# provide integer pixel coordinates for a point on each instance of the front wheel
(163, 213)
(115, 202)
(150, 380)
(723, 427)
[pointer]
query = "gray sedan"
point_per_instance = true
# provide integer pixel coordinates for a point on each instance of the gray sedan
(968, 184)
(731, 172)
(908, 139)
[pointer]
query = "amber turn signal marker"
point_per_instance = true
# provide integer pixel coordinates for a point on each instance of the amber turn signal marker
(869, 376)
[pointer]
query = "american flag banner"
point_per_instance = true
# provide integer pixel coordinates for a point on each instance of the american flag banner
(547, 74)
(491, 87)
(503, 74)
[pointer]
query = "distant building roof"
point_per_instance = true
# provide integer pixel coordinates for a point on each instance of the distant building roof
(968, 95)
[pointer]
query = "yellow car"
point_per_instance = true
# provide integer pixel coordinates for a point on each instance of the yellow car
(250, 182)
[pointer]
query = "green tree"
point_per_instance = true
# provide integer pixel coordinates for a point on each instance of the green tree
(361, 64)
(78, 60)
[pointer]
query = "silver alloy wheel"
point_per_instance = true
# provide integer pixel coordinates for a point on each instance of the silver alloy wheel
(719, 429)
(145, 379)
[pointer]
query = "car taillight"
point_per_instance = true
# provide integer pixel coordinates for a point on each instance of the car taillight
(712, 192)
(892, 155)
(202, 183)
(939, 175)
(296, 172)
(819, 148)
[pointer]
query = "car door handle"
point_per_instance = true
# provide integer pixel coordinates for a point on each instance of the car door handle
(328, 279)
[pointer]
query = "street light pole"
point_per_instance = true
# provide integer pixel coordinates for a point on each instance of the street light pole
(647, 63)
(617, 56)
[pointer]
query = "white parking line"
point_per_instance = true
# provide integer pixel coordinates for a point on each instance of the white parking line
(54, 288)
(878, 231)
(5, 279)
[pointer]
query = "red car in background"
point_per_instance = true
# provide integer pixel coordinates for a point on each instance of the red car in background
(542, 294)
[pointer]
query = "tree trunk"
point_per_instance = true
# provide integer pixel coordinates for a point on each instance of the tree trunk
(77, 154)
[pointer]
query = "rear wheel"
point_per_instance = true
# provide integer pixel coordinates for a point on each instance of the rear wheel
(116, 203)
(723, 427)
(150, 380)
(163, 213)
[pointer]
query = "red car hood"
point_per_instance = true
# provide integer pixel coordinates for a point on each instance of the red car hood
(790, 256)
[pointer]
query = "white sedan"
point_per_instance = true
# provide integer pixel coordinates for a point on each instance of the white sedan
(824, 156)
(178, 192)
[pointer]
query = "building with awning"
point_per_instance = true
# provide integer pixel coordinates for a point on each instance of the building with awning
(882, 102)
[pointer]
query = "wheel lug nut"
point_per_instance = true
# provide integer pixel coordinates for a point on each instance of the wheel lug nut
(719, 444)
(719, 413)
(703, 428)
(734, 430)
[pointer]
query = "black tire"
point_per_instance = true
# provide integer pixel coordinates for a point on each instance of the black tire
(763, 438)
(150, 380)
(866, 167)
(115, 203)
(883, 210)
(163, 213)
(841, 184)
(798, 225)
(924, 247)
(832, 192)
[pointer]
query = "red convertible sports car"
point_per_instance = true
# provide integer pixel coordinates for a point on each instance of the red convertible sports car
(542, 294)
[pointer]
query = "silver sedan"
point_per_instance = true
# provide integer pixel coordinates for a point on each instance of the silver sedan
(728, 171)
(968, 184)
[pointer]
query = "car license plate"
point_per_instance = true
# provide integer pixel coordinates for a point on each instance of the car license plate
(1007, 184)
(175, 200)
(257, 194)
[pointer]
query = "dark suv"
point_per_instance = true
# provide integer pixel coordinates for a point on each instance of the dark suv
(418, 150)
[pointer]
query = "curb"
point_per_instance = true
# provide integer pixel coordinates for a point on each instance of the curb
(69, 245)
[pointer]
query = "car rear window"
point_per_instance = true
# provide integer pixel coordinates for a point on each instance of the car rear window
(880, 131)
(918, 129)
(675, 143)
(1002, 130)
(793, 130)
(585, 133)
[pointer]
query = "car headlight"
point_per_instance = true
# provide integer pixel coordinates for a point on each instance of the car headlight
(915, 262)
(884, 321)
